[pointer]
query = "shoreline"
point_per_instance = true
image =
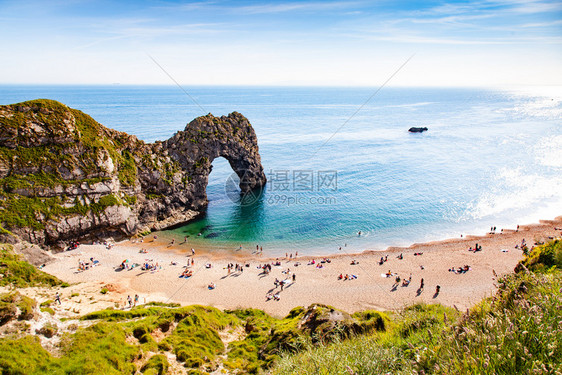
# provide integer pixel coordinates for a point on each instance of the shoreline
(370, 290)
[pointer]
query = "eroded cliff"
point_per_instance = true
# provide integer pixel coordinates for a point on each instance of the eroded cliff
(64, 176)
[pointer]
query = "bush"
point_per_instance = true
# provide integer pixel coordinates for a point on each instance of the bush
(543, 257)
(158, 364)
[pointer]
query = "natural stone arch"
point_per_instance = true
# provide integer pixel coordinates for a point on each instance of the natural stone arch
(86, 181)
(207, 138)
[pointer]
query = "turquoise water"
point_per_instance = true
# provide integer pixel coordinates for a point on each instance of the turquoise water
(490, 158)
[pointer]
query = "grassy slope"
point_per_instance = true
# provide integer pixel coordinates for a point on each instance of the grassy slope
(19, 273)
(517, 331)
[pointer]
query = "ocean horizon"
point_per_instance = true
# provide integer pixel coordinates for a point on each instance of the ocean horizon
(339, 164)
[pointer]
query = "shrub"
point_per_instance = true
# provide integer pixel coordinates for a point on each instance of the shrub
(157, 364)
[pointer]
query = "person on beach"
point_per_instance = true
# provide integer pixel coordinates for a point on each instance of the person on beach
(129, 301)
(421, 283)
(57, 298)
(136, 299)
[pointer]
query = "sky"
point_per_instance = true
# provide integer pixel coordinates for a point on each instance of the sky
(306, 43)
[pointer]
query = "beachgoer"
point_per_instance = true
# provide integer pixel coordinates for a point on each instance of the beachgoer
(129, 301)
(57, 298)
(136, 299)
(294, 277)
(421, 283)
(437, 289)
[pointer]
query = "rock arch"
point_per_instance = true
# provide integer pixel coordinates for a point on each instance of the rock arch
(80, 179)
(207, 138)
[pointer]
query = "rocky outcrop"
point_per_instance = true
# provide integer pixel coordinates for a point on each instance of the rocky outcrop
(417, 130)
(64, 176)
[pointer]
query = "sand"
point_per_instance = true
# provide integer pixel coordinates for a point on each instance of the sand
(370, 290)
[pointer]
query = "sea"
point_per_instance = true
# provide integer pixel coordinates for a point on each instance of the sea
(344, 174)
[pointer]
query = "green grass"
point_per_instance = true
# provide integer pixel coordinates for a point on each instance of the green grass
(100, 349)
(518, 331)
(23, 356)
(21, 274)
(544, 257)
(11, 303)
(515, 332)
(195, 341)
(156, 365)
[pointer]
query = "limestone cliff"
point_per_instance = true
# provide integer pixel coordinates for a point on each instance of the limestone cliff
(64, 176)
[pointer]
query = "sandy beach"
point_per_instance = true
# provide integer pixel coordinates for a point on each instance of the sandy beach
(371, 289)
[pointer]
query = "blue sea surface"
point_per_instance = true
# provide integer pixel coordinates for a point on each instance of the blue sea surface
(337, 164)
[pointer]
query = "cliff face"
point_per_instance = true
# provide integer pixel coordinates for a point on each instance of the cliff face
(64, 176)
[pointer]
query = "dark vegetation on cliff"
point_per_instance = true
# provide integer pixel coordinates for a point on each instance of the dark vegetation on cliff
(518, 331)
(65, 176)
